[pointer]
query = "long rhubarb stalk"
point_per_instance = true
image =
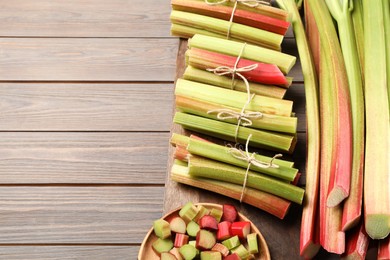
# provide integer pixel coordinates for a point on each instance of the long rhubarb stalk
(224, 154)
(224, 12)
(376, 172)
(340, 178)
(238, 31)
(232, 98)
(308, 248)
(342, 13)
(356, 244)
(262, 200)
(262, 139)
(205, 168)
(210, 78)
(264, 73)
(251, 52)
(384, 249)
(283, 124)
(357, 20)
(386, 23)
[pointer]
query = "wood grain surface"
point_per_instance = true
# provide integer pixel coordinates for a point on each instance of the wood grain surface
(85, 18)
(83, 158)
(85, 107)
(87, 59)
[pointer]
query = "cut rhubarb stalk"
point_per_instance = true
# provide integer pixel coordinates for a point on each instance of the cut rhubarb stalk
(179, 140)
(265, 201)
(253, 246)
(223, 154)
(161, 228)
(223, 12)
(223, 232)
(208, 222)
(205, 240)
(188, 212)
(229, 213)
(205, 168)
(232, 98)
(180, 240)
(193, 243)
(232, 242)
(178, 225)
(240, 228)
(237, 31)
(278, 142)
(264, 73)
(175, 251)
(210, 78)
(356, 244)
(376, 167)
(216, 213)
(252, 52)
(181, 153)
(283, 124)
(210, 255)
(233, 257)
(162, 245)
(202, 211)
(384, 249)
(167, 256)
(307, 245)
(220, 248)
(241, 251)
(188, 252)
(192, 228)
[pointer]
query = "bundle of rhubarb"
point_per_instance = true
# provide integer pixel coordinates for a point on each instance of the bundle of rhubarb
(353, 142)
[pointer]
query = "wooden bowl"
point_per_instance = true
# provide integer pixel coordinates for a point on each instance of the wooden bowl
(147, 253)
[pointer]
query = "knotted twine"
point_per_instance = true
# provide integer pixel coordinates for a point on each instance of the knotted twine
(249, 3)
(245, 156)
(225, 114)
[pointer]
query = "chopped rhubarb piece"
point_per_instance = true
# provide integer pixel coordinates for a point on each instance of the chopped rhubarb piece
(162, 245)
(210, 255)
(241, 251)
(220, 248)
(161, 228)
(178, 225)
(167, 256)
(180, 240)
(240, 228)
(232, 242)
(202, 211)
(208, 222)
(175, 251)
(188, 252)
(205, 240)
(192, 228)
(223, 232)
(253, 246)
(229, 213)
(188, 212)
(232, 257)
(193, 243)
(216, 213)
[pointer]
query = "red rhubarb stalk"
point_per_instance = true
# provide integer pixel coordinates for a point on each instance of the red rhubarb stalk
(384, 249)
(264, 73)
(356, 244)
(224, 12)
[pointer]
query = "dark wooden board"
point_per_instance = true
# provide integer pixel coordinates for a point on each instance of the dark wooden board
(87, 59)
(83, 158)
(85, 107)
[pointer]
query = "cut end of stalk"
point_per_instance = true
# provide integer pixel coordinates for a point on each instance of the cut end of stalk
(336, 196)
(347, 225)
(310, 250)
(377, 226)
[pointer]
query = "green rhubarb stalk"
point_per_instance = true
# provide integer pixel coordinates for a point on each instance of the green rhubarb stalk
(242, 32)
(386, 23)
(341, 11)
(205, 168)
(283, 124)
(308, 247)
(185, 31)
(232, 98)
(357, 20)
(262, 200)
(223, 154)
(252, 52)
(182, 140)
(376, 171)
(202, 76)
(262, 139)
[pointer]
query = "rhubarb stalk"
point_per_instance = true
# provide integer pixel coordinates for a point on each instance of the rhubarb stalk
(377, 163)
(384, 249)
(356, 244)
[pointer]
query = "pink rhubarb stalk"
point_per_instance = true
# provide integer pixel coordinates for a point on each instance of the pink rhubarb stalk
(384, 249)
(356, 244)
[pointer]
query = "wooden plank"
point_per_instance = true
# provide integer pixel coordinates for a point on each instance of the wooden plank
(77, 158)
(77, 215)
(85, 18)
(85, 107)
(87, 59)
(68, 252)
